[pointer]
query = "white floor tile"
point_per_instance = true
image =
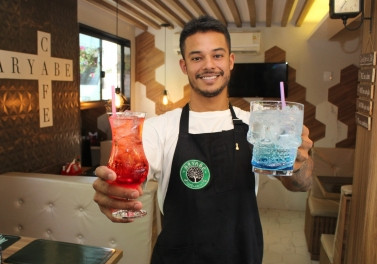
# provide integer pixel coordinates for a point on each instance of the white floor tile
(284, 239)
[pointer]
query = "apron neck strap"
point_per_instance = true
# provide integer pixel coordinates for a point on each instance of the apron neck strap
(236, 120)
(183, 126)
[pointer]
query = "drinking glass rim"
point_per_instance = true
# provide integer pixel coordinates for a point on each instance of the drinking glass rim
(277, 102)
(128, 113)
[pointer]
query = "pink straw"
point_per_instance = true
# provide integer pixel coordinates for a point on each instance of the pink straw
(113, 100)
(282, 95)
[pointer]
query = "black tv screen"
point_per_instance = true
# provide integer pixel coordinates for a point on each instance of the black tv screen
(258, 80)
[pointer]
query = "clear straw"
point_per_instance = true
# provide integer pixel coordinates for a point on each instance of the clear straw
(282, 95)
(113, 100)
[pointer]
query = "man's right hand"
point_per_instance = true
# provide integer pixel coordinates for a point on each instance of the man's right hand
(110, 197)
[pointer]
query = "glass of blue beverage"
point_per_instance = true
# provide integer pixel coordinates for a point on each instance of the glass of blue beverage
(275, 129)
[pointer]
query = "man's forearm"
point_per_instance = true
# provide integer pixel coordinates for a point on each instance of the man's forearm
(301, 180)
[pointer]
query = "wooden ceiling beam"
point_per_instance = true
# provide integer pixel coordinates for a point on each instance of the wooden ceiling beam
(181, 8)
(151, 12)
(216, 9)
(197, 7)
(304, 11)
(269, 5)
(287, 11)
(138, 15)
(164, 8)
(252, 12)
(129, 19)
(235, 13)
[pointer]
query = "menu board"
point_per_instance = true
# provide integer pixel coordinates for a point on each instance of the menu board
(365, 90)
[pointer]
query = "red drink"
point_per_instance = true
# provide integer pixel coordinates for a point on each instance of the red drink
(128, 176)
(127, 156)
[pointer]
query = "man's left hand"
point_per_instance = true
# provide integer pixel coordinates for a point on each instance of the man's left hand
(301, 180)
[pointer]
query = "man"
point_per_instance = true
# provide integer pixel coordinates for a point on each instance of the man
(214, 219)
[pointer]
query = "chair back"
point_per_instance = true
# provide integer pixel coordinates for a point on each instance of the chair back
(342, 227)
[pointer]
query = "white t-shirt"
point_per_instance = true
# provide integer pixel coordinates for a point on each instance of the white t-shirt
(160, 136)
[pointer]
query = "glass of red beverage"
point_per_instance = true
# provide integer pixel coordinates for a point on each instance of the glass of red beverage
(127, 156)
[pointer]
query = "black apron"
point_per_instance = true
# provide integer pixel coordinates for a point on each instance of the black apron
(210, 209)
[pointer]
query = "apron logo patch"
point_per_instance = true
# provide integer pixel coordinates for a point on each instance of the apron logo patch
(195, 174)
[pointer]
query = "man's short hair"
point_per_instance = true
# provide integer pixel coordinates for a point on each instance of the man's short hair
(202, 24)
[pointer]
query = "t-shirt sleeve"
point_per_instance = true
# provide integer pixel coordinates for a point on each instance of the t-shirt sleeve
(152, 148)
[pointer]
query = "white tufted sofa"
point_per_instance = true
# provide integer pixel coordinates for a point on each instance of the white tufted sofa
(62, 208)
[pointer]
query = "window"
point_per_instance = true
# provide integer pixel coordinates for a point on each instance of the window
(105, 62)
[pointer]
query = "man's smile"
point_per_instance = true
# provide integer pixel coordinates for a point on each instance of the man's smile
(209, 76)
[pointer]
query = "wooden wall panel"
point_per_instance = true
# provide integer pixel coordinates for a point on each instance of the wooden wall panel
(148, 59)
(343, 95)
(362, 242)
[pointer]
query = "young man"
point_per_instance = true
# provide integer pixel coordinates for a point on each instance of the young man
(215, 220)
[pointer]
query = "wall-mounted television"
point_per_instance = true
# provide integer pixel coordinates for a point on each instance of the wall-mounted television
(258, 80)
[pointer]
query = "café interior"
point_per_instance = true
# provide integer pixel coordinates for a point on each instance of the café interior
(54, 98)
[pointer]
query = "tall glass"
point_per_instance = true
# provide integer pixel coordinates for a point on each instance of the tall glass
(275, 132)
(127, 156)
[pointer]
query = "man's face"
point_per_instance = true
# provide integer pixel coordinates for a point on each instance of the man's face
(207, 63)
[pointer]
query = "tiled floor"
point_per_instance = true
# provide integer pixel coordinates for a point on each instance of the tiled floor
(284, 239)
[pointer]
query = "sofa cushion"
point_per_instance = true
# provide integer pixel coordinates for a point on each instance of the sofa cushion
(323, 207)
(62, 208)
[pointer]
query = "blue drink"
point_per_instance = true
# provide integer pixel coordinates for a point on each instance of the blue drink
(275, 133)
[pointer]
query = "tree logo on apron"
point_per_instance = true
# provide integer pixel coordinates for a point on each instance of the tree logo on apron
(195, 174)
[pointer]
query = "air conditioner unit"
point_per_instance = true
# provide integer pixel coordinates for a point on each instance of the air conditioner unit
(242, 42)
(246, 42)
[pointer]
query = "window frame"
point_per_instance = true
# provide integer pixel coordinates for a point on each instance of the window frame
(102, 35)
